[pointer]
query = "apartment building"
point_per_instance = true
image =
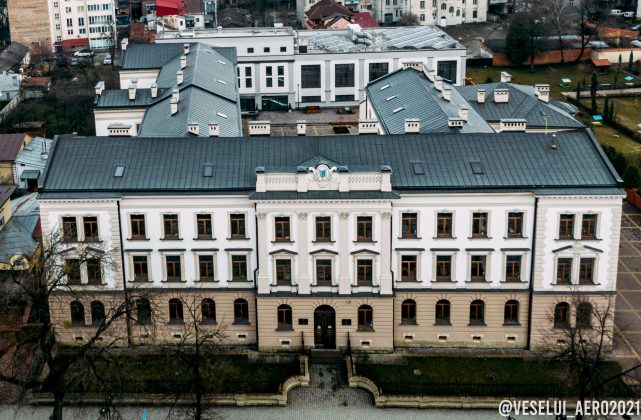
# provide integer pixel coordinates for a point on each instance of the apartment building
(280, 68)
(81, 23)
(460, 239)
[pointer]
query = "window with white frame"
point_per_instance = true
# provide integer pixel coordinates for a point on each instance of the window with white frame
(409, 266)
(173, 267)
(206, 266)
(140, 267)
(513, 268)
(274, 76)
(364, 271)
(238, 262)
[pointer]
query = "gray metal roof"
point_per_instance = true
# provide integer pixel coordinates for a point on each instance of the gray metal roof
(522, 103)
(119, 98)
(415, 95)
(12, 56)
(154, 56)
(17, 236)
(32, 154)
(514, 161)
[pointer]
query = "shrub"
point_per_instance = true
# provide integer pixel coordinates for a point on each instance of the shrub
(489, 79)
(632, 177)
(619, 162)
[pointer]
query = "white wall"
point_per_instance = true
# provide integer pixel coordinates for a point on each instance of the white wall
(106, 117)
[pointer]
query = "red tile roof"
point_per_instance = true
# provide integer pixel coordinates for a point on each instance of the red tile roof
(365, 19)
(325, 9)
(10, 146)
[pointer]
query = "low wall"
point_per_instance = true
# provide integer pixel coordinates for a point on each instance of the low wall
(545, 57)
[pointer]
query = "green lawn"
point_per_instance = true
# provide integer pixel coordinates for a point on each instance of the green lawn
(497, 376)
(164, 373)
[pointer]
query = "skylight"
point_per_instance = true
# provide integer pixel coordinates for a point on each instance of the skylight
(220, 114)
(120, 171)
(418, 168)
(390, 98)
(477, 168)
(384, 87)
(222, 82)
(208, 171)
(400, 108)
(221, 62)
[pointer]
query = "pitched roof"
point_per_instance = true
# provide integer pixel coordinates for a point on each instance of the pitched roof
(154, 56)
(408, 93)
(522, 103)
(10, 145)
(119, 98)
(17, 237)
(365, 20)
(325, 9)
(5, 192)
(12, 56)
(511, 161)
(31, 155)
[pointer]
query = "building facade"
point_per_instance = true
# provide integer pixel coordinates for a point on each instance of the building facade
(371, 242)
(81, 23)
(280, 69)
(29, 24)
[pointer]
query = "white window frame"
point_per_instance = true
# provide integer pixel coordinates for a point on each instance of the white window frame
(489, 224)
(229, 214)
(436, 254)
(365, 256)
(523, 255)
(214, 254)
(248, 263)
(488, 266)
(163, 257)
(416, 253)
(400, 223)
(132, 274)
(213, 232)
(130, 232)
(283, 256)
(523, 223)
(453, 213)
(324, 256)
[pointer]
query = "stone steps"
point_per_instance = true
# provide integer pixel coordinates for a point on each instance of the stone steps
(323, 356)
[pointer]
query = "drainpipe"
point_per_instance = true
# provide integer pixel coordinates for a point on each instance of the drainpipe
(256, 273)
(531, 288)
(124, 279)
(391, 228)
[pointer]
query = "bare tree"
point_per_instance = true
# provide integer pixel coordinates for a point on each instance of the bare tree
(560, 19)
(198, 351)
(588, 24)
(582, 344)
(35, 361)
(409, 19)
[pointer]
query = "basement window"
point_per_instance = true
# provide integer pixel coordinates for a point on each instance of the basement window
(120, 171)
(477, 168)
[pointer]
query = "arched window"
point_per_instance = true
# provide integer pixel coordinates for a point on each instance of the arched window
(284, 317)
(365, 318)
(562, 315)
(241, 311)
(477, 312)
(208, 311)
(583, 315)
(97, 313)
(408, 312)
(77, 313)
(442, 312)
(443, 6)
(511, 312)
(451, 10)
(176, 310)
(143, 311)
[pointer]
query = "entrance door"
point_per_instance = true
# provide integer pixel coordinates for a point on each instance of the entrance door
(325, 327)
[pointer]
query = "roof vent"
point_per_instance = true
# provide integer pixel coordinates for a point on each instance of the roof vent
(179, 77)
(213, 129)
(193, 128)
(221, 62)
(119, 172)
(463, 112)
(221, 115)
(183, 62)
(384, 87)
(222, 82)
(132, 91)
(412, 125)
(455, 122)
(501, 96)
(390, 98)
(480, 96)
(396, 110)
(175, 94)
(477, 168)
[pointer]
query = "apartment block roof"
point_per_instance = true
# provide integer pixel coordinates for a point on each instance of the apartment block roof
(408, 93)
(419, 163)
(522, 104)
(154, 56)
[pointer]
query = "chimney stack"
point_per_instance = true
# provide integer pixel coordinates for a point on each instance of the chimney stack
(412, 125)
(100, 87)
(179, 77)
(447, 94)
(438, 83)
(214, 130)
(193, 128)
(463, 112)
(501, 96)
(124, 43)
(183, 61)
(175, 95)
(132, 91)
(185, 49)
(543, 92)
(154, 90)
(480, 96)
(173, 104)
(506, 77)
(301, 127)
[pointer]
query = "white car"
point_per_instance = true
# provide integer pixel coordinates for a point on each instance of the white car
(616, 12)
(107, 60)
(83, 53)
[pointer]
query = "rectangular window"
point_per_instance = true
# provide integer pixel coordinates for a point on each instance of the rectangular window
(409, 225)
(364, 228)
(588, 226)
(422, 4)
(281, 229)
(307, 99)
(422, 17)
(206, 267)
(586, 271)
(323, 272)
(90, 225)
(444, 225)
(564, 271)
(447, 70)
(364, 272)
(203, 226)
(566, 226)
(474, 13)
(344, 75)
(269, 81)
(94, 272)
(172, 263)
(343, 98)
(138, 226)
(284, 272)
(266, 49)
(408, 268)
(323, 228)
(443, 268)
(479, 225)
(281, 75)
(377, 70)
(69, 20)
(515, 225)
(477, 269)
(237, 226)
(141, 269)
(170, 226)
(310, 76)
(250, 50)
(283, 49)
(69, 229)
(239, 267)
(513, 268)
(72, 270)
(81, 21)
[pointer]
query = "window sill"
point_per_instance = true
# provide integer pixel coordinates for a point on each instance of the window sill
(511, 324)
(410, 237)
(283, 241)
(409, 281)
(444, 280)
(207, 280)
(95, 283)
(70, 241)
(141, 280)
(205, 238)
(515, 237)
(365, 329)
(209, 322)
(238, 238)
(137, 239)
(443, 323)
(566, 239)
(479, 237)
(483, 280)
(176, 323)
(477, 324)
(443, 237)
(323, 241)
(284, 329)
(173, 281)
(79, 325)
(91, 241)
(241, 322)
(239, 280)
(587, 284)
(408, 323)
(513, 281)
(364, 242)
(591, 239)
(171, 238)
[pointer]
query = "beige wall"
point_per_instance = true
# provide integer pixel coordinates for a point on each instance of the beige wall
(459, 334)
(543, 332)
(346, 308)
(5, 210)
(29, 23)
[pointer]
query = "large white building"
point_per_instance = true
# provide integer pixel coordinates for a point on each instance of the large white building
(280, 68)
(467, 240)
(82, 23)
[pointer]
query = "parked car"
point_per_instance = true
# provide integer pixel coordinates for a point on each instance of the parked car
(636, 27)
(616, 12)
(107, 59)
(74, 61)
(83, 53)
(628, 14)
